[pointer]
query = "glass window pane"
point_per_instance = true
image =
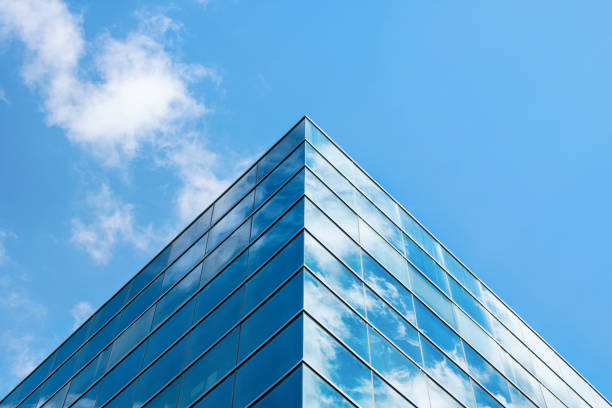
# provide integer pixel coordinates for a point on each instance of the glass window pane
(383, 252)
(329, 151)
(57, 379)
(221, 286)
(439, 333)
(386, 396)
(329, 175)
(379, 221)
(417, 233)
(98, 342)
(469, 304)
(280, 150)
(276, 236)
(288, 393)
(146, 298)
(124, 399)
(332, 237)
(271, 315)
(426, 265)
(331, 205)
(319, 394)
(388, 287)
(477, 338)
(487, 376)
(165, 399)
(439, 397)
(76, 339)
(268, 364)
(334, 274)
(376, 194)
(231, 247)
(402, 373)
(281, 201)
(58, 399)
(218, 397)
(282, 173)
(162, 371)
(447, 373)
(189, 236)
(215, 325)
(167, 333)
(484, 400)
(519, 400)
(432, 297)
(87, 377)
(184, 264)
(120, 375)
(88, 400)
(230, 221)
(329, 311)
(393, 326)
(235, 193)
(274, 273)
(130, 337)
(147, 274)
(333, 361)
(209, 369)
(177, 295)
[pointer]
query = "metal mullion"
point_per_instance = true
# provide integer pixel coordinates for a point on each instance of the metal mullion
(430, 281)
(401, 315)
(560, 375)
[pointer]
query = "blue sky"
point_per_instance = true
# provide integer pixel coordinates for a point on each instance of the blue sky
(489, 121)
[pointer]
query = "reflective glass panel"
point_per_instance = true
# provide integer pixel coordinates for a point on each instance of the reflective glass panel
(148, 274)
(225, 252)
(189, 236)
(184, 264)
(329, 175)
(432, 297)
(281, 174)
(288, 393)
(487, 375)
(177, 295)
(220, 396)
(230, 221)
(383, 252)
(319, 394)
(280, 150)
(235, 193)
(221, 286)
(120, 375)
(426, 265)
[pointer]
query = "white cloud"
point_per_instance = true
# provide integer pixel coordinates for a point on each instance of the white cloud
(80, 312)
(113, 223)
(135, 95)
(22, 307)
(20, 353)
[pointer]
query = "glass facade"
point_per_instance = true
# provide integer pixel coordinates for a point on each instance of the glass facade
(304, 284)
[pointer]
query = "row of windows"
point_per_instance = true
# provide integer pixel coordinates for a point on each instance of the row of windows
(181, 290)
(394, 262)
(395, 294)
(246, 183)
(400, 217)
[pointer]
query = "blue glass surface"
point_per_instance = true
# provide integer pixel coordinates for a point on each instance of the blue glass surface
(230, 221)
(319, 394)
(189, 236)
(130, 337)
(280, 150)
(426, 265)
(86, 377)
(177, 295)
(221, 286)
(165, 399)
(235, 193)
(334, 315)
(184, 264)
(120, 375)
(386, 396)
(432, 297)
(330, 359)
(335, 275)
(98, 342)
(209, 369)
(147, 275)
(281, 174)
(269, 364)
(231, 247)
(377, 220)
(218, 397)
(134, 309)
(286, 394)
(329, 175)
(272, 274)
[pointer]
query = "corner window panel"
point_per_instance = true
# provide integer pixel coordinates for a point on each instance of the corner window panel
(280, 151)
(447, 373)
(274, 273)
(334, 274)
(379, 221)
(383, 252)
(331, 205)
(402, 373)
(319, 394)
(274, 208)
(393, 326)
(330, 151)
(329, 175)
(328, 310)
(440, 333)
(268, 364)
(376, 194)
(282, 173)
(275, 237)
(333, 361)
(388, 287)
(190, 235)
(332, 237)
(209, 369)
(235, 193)
(432, 297)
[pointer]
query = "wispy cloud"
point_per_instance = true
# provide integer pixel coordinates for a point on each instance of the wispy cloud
(80, 312)
(135, 98)
(112, 223)
(3, 97)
